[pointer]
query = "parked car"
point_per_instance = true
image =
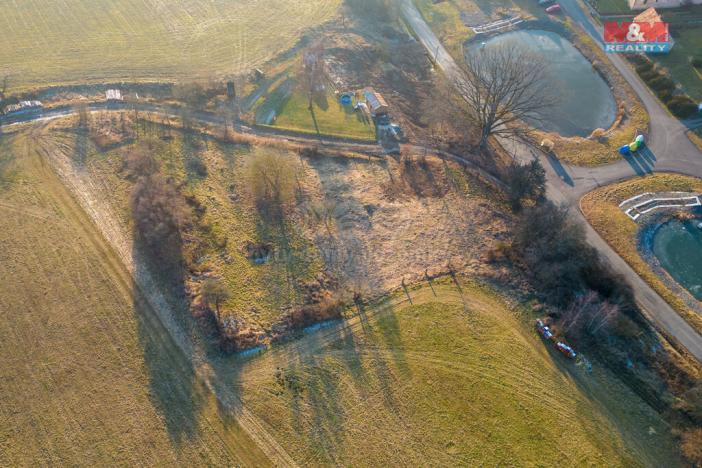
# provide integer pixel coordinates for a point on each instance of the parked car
(553, 9)
(566, 350)
(546, 2)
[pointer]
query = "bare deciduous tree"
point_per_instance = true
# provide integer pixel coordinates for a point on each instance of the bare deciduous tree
(214, 292)
(313, 73)
(502, 87)
(588, 313)
(272, 181)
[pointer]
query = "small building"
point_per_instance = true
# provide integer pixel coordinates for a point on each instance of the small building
(114, 95)
(23, 107)
(652, 16)
(644, 4)
(376, 102)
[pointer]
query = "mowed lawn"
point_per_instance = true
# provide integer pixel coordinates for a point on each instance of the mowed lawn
(88, 377)
(328, 117)
(76, 41)
(291, 108)
(455, 379)
(687, 45)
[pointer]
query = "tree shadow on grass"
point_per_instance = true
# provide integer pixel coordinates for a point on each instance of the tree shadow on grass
(171, 376)
(81, 147)
(193, 146)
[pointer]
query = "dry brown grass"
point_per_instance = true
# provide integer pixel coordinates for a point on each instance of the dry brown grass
(370, 222)
(88, 376)
(601, 209)
(75, 41)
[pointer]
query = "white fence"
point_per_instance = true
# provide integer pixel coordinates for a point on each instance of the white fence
(497, 25)
(647, 202)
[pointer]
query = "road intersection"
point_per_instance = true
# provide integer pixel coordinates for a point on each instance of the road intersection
(669, 150)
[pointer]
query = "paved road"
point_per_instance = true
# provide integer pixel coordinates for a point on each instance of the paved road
(669, 149)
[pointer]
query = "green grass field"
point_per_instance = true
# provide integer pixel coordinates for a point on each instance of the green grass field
(452, 379)
(612, 7)
(88, 376)
(687, 44)
(79, 41)
(328, 117)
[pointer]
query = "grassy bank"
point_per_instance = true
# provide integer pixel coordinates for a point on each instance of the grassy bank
(602, 211)
(452, 378)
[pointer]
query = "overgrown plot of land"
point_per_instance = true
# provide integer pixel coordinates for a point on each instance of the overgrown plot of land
(445, 382)
(76, 41)
(87, 375)
(364, 224)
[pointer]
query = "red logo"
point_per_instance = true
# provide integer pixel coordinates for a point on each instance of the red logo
(635, 32)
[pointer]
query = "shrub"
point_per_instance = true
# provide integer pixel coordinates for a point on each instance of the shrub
(588, 315)
(650, 75)
(311, 152)
(662, 82)
(234, 337)
(692, 446)
(644, 66)
(195, 166)
(330, 306)
(159, 215)
(696, 62)
(665, 95)
(639, 60)
(553, 248)
(525, 182)
(272, 182)
(682, 106)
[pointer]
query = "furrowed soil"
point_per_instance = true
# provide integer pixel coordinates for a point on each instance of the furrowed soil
(80, 41)
(88, 375)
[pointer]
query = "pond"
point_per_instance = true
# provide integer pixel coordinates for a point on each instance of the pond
(678, 247)
(585, 100)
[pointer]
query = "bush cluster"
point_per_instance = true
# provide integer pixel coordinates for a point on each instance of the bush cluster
(681, 105)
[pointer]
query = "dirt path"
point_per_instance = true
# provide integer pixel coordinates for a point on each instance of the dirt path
(105, 225)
